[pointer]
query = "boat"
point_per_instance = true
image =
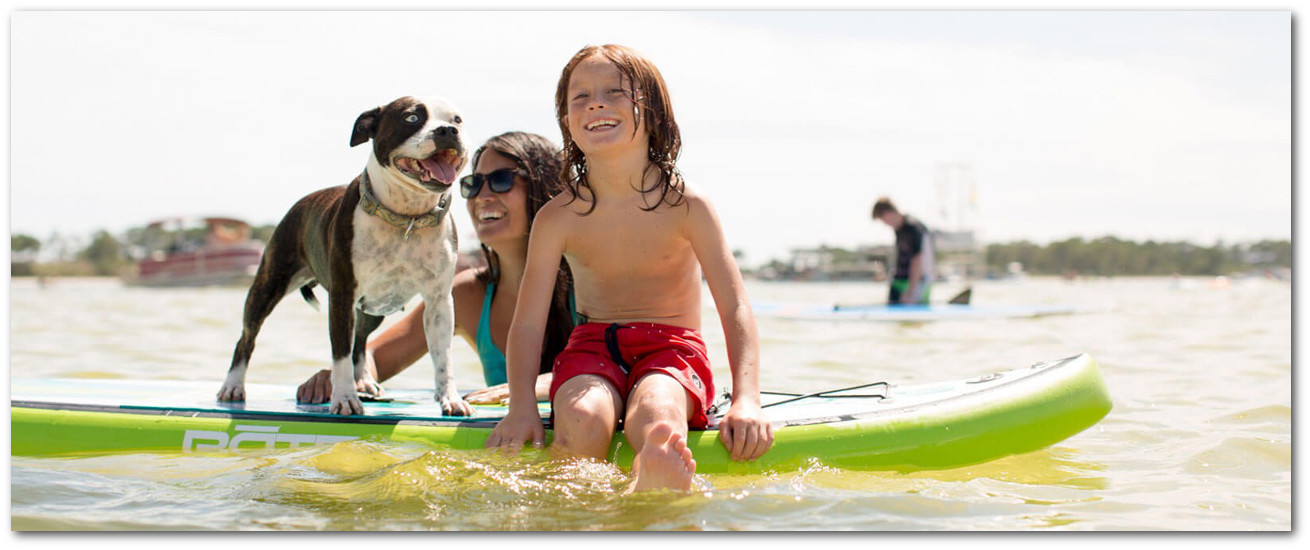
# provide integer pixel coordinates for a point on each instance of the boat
(872, 427)
(190, 252)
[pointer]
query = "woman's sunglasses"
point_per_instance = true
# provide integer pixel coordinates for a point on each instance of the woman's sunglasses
(498, 181)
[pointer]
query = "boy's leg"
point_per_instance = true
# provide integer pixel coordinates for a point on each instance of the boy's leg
(655, 397)
(656, 426)
(586, 411)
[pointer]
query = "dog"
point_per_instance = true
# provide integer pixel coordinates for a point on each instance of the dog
(372, 244)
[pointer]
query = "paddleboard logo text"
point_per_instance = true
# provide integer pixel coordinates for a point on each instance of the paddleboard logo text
(253, 437)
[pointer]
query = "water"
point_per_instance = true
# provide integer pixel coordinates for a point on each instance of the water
(1199, 438)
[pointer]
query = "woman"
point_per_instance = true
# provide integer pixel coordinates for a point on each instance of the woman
(514, 174)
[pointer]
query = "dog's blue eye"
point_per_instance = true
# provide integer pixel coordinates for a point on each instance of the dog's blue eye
(411, 119)
(457, 120)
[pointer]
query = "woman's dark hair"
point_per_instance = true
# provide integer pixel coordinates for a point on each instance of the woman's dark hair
(538, 162)
(650, 104)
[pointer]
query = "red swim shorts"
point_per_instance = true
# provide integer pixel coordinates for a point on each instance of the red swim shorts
(622, 354)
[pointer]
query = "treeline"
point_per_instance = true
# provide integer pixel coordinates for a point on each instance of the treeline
(103, 254)
(106, 254)
(1109, 256)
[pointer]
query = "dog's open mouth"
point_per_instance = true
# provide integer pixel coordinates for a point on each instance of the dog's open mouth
(440, 168)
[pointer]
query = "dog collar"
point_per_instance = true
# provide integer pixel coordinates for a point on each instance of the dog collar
(371, 206)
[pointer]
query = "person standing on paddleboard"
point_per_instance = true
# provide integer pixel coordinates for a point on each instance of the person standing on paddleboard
(514, 174)
(912, 280)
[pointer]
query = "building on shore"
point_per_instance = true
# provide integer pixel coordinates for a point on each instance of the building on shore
(959, 256)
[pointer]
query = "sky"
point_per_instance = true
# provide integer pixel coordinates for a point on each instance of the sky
(1038, 126)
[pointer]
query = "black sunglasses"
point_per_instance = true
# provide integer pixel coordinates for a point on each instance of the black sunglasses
(499, 181)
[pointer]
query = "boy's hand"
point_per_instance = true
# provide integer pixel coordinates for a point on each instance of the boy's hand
(745, 432)
(517, 428)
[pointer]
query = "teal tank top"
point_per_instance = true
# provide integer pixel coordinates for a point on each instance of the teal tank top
(493, 360)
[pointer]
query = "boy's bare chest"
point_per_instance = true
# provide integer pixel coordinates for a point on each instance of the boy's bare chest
(633, 238)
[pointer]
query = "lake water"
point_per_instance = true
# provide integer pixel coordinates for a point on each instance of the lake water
(1200, 437)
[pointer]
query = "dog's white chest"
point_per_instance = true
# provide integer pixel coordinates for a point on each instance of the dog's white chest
(389, 269)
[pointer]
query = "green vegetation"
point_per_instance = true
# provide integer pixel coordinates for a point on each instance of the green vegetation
(103, 255)
(1109, 256)
(107, 255)
(23, 249)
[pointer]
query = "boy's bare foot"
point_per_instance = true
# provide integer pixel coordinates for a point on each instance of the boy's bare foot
(664, 462)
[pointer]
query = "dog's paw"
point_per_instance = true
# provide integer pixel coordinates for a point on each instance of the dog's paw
(346, 404)
(453, 405)
(230, 392)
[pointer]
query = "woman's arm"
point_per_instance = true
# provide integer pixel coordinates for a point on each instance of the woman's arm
(403, 343)
(386, 355)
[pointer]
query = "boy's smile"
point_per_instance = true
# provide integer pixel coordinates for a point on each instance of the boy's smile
(601, 124)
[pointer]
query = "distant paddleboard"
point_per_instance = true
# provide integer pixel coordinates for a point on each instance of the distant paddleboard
(905, 313)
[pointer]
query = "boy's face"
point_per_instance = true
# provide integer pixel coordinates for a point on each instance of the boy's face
(600, 116)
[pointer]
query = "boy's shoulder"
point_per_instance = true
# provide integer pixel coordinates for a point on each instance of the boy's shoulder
(696, 197)
(557, 210)
(559, 203)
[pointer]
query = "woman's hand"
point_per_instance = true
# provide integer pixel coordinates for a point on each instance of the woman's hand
(495, 395)
(499, 394)
(318, 389)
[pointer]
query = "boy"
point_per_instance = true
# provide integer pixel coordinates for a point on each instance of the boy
(912, 280)
(636, 239)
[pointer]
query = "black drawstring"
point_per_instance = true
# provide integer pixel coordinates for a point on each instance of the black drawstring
(612, 342)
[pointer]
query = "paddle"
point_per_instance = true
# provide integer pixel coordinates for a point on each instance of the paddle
(960, 299)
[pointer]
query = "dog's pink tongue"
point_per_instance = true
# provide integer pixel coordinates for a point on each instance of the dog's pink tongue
(444, 171)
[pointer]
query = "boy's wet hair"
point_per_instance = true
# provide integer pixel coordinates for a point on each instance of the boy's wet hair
(538, 161)
(651, 104)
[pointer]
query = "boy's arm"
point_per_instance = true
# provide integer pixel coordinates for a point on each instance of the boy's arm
(915, 269)
(915, 275)
(522, 424)
(743, 430)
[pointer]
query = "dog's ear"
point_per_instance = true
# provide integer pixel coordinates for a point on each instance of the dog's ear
(365, 126)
